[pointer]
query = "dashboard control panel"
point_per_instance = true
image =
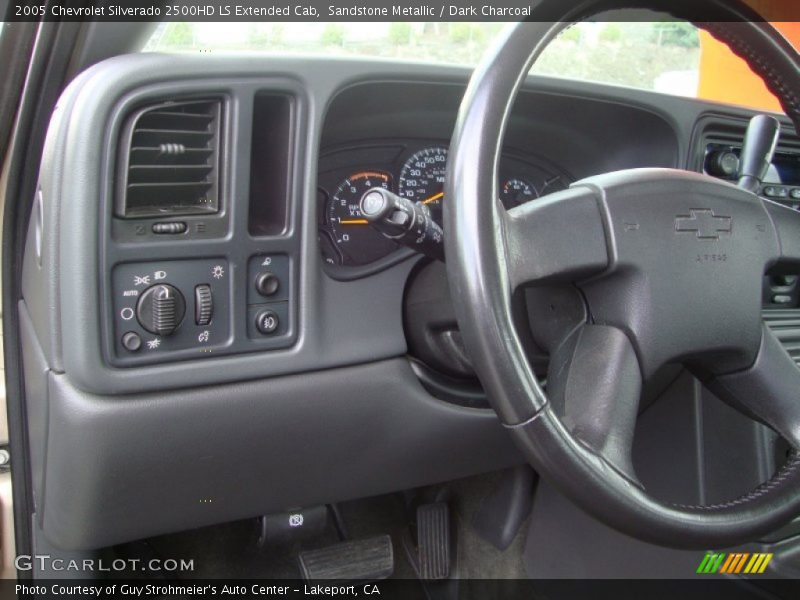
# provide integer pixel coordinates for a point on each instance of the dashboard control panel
(267, 297)
(198, 262)
(171, 307)
(179, 309)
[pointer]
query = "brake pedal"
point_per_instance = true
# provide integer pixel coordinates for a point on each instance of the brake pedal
(433, 541)
(370, 559)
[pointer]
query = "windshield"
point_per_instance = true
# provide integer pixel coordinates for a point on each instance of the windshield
(663, 56)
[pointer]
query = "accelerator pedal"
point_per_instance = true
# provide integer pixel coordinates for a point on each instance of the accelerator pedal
(370, 559)
(433, 541)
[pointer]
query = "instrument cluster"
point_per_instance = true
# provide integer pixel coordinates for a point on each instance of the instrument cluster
(412, 169)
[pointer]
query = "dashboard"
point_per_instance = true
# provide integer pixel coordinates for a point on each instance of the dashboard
(413, 169)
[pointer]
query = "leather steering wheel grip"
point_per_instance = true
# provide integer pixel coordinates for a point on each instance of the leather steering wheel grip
(584, 455)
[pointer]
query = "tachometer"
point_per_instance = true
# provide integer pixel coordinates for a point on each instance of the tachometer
(356, 240)
(422, 179)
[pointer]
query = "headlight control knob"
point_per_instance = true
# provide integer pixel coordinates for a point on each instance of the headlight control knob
(160, 309)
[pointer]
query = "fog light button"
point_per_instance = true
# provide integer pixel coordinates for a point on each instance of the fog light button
(267, 321)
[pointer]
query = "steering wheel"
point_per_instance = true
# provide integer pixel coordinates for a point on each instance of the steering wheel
(669, 264)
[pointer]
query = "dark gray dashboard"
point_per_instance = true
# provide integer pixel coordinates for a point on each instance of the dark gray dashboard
(78, 195)
(328, 408)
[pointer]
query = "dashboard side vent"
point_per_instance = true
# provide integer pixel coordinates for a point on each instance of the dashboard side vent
(169, 159)
(715, 132)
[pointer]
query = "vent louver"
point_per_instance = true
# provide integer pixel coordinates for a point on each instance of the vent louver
(785, 324)
(169, 160)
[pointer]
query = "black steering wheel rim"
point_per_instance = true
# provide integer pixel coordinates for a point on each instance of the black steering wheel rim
(481, 275)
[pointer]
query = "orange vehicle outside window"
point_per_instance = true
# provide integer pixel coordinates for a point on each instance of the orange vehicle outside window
(724, 77)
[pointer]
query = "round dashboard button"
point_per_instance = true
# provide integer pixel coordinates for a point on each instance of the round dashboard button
(267, 284)
(131, 341)
(267, 321)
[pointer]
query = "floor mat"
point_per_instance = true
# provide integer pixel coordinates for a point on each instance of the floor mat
(230, 551)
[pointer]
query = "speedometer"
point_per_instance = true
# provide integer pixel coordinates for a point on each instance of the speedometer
(422, 178)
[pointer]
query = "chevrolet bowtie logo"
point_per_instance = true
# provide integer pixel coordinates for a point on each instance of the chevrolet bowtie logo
(704, 224)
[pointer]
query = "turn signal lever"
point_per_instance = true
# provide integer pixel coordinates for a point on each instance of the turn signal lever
(757, 150)
(406, 222)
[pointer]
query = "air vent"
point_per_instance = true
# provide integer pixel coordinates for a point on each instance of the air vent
(785, 324)
(714, 133)
(169, 160)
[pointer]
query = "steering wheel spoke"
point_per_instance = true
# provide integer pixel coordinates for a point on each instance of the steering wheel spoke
(787, 227)
(557, 238)
(594, 384)
(768, 391)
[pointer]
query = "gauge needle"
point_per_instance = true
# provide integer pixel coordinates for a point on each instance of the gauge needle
(433, 198)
